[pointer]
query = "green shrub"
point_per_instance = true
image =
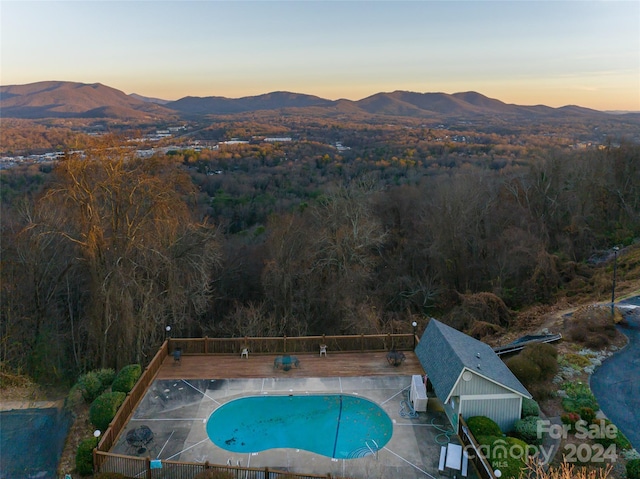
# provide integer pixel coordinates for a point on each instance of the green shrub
(106, 377)
(94, 383)
(577, 360)
(578, 396)
(633, 469)
(104, 409)
(545, 356)
(530, 408)
(527, 430)
(487, 440)
(619, 439)
(575, 403)
(509, 455)
(483, 426)
(622, 442)
(74, 398)
(570, 418)
(84, 456)
(126, 378)
(587, 414)
(576, 389)
(90, 385)
(524, 369)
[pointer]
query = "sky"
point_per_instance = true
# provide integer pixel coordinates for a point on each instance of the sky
(547, 52)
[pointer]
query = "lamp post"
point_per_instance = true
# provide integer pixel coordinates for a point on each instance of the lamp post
(167, 332)
(613, 285)
(414, 324)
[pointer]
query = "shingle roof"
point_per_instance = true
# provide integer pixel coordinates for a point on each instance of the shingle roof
(444, 352)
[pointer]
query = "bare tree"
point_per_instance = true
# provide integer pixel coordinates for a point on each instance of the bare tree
(34, 271)
(346, 249)
(148, 262)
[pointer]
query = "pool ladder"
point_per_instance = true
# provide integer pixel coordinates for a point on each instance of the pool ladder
(374, 452)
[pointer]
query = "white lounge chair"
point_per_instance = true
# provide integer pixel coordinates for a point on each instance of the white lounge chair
(443, 457)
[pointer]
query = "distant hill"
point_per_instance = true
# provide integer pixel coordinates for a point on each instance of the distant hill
(398, 103)
(461, 105)
(58, 99)
(157, 101)
(223, 106)
(79, 100)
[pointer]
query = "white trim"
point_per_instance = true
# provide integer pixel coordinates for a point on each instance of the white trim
(476, 397)
(454, 386)
(520, 408)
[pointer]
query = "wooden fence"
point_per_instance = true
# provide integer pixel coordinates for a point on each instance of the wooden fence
(145, 468)
(485, 471)
(105, 461)
(110, 436)
(306, 344)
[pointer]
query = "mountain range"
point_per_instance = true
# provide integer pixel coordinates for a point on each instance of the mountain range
(59, 99)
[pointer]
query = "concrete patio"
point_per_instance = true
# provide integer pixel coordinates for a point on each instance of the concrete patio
(176, 411)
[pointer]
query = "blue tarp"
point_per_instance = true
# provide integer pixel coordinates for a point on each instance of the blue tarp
(31, 442)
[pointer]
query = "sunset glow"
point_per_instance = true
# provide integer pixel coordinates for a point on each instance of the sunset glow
(544, 52)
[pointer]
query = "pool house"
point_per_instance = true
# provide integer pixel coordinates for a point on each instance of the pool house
(469, 377)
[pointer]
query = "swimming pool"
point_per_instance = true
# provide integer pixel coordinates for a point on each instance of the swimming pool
(335, 425)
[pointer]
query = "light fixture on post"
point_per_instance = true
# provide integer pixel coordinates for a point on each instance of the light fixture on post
(497, 473)
(414, 324)
(613, 285)
(167, 332)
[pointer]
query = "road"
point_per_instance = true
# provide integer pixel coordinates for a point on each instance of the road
(616, 384)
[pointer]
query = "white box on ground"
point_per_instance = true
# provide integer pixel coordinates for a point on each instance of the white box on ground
(418, 394)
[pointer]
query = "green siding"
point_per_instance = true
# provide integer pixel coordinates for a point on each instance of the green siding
(478, 385)
(504, 411)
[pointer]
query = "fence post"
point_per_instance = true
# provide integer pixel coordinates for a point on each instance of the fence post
(148, 464)
(284, 344)
(266, 473)
(206, 345)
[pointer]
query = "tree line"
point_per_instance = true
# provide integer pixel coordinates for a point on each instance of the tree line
(112, 248)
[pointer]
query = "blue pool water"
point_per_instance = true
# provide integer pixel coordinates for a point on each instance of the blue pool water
(337, 425)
